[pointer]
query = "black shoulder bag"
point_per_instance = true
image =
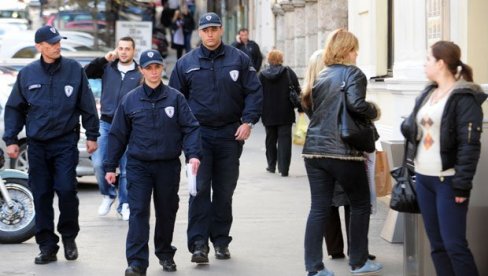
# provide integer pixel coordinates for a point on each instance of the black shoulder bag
(355, 130)
(404, 195)
(293, 95)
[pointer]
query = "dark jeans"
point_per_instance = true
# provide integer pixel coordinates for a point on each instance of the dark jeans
(144, 177)
(52, 168)
(210, 211)
(281, 136)
(333, 231)
(322, 175)
(187, 37)
(445, 224)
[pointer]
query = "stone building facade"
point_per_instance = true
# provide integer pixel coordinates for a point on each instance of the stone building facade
(301, 27)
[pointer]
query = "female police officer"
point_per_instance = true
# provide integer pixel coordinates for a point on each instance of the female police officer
(155, 122)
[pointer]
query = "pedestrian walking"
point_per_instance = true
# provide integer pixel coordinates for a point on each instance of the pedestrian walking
(329, 160)
(48, 98)
(156, 123)
(278, 111)
(444, 130)
(120, 74)
(250, 47)
(178, 41)
(188, 27)
(225, 95)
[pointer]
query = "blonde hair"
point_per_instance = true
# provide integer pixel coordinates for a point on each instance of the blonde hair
(338, 46)
(315, 65)
(275, 57)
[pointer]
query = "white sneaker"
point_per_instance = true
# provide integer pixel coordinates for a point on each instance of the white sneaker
(125, 212)
(105, 205)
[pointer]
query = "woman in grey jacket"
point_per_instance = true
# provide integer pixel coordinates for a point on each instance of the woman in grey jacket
(328, 159)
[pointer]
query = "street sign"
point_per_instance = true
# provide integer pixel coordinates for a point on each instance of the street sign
(141, 32)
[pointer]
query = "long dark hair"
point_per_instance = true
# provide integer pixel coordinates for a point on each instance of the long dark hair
(450, 53)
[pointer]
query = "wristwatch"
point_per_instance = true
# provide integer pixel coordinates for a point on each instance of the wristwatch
(251, 125)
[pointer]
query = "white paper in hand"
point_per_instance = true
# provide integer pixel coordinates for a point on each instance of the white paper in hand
(192, 180)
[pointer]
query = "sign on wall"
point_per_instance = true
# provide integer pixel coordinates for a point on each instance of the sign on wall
(141, 32)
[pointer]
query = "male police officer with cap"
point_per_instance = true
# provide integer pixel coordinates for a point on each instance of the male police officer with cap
(156, 123)
(225, 95)
(48, 98)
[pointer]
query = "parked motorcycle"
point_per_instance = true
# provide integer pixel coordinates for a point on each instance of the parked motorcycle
(17, 213)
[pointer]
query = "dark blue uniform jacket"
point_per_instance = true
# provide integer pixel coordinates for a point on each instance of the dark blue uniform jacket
(113, 86)
(221, 86)
(49, 102)
(155, 124)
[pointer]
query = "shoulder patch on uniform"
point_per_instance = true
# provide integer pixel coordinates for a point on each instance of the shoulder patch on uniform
(34, 86)
(170, 111)
(68, 90)
(192, 69)
(234, 74)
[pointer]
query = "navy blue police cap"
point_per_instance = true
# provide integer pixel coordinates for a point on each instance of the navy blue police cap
(209, 19)
(48, 34)
(149, 57)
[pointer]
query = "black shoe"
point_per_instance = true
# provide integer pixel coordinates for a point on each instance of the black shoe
(284, 174)
(371, 257)
(134, 271)
(45, 258)
(70, 250)
(270, 170)
(200, 254)
(222, 252)
(168, 265)
(337, 256)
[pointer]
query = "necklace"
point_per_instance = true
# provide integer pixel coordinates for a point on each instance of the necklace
(437, 95)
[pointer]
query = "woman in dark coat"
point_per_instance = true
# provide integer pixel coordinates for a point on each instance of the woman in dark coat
(445, 128)
(278, 112)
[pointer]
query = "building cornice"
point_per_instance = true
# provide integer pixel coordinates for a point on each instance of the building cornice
(277, 10)
(287, 6)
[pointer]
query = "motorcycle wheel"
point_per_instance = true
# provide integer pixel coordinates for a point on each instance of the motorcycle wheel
(18, 223)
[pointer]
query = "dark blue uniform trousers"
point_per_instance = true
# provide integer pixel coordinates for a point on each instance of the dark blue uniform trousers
(210, 213)
(52, 168)
(144, 177)
(445, 224)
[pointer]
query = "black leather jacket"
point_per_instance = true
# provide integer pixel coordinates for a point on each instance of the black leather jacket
(323, 137)
(461, 128)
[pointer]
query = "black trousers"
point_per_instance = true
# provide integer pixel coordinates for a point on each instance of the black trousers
(162, 180)
(210, 211)
(333, 232)
(52, 169)
(278, 147)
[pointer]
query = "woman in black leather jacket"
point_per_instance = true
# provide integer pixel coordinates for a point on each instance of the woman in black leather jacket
(328, 159)
(445, 129)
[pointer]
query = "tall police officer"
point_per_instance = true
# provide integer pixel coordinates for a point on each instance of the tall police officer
(156, 122)
(225, 95)
(48, 98)
(120, 74)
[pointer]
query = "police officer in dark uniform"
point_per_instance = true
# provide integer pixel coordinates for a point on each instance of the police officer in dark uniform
(48, 98)
(225, 95)
(156, 123)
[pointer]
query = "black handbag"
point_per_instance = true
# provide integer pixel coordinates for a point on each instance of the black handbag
(403, 194)
(293, 95)
(356, 131)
